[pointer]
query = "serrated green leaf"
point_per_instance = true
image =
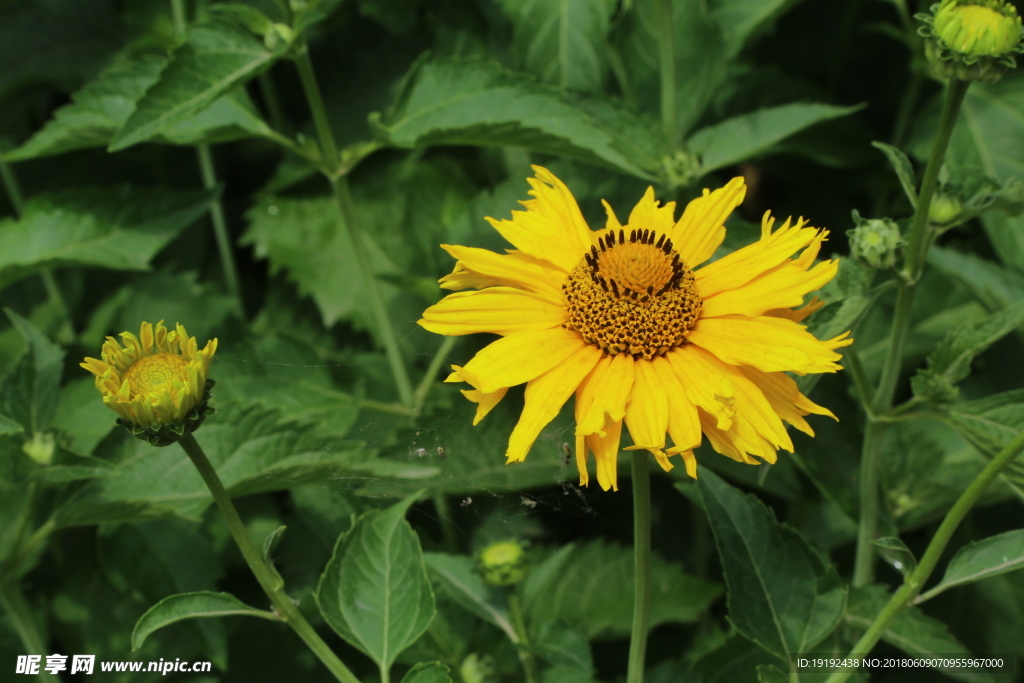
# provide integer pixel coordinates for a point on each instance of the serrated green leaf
(375, 592)
(562, 42)
(743, 137)
(460, 580)
(901, 165)
(912, 631)
(980, 560)
(589, 586)
(216, 57)
(740, 19)
(989, 424)
(473, 102)
(781, 593)
(200, 605)
(428, 672)
(121, 228)
(29, 394)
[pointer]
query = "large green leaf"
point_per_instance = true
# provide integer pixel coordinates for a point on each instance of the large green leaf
(912, 631)
(459, 578)
(203, 604)
(781, 593)
(428, 672)
(994, 285)
(589, 586)
(121, 228)
(473, 102)
(29, 394)
(216, 57)
(563, 42)
(990, 424)
(745, 136)
(982, 559)
(375, 592)
(102, 106)
(740, 19)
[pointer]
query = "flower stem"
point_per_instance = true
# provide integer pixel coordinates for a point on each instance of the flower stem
(328, 148)
(20, 614)
(283, 604)
(641, 565)
(667, 58)
(220, 227)
(917, 247)
(515, 611)
(429, 377)
(913, 584)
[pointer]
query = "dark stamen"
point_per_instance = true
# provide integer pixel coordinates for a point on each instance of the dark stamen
(610, 238)
(632, 236)
(615, 288)
(622, 236)
(660, 242)
(650, 289)
(601, 281)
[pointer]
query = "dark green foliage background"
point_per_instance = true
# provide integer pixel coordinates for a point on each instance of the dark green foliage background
(440, 106)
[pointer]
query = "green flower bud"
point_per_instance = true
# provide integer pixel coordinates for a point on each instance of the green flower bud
(40, 447)
(875, 242)
(503, 563)
(945, 209)
(972, 40)
(477, 669)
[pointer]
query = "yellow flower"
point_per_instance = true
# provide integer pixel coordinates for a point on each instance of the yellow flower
(157, 380)
(620, 318)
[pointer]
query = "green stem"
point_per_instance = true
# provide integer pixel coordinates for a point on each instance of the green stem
(383, 407)
(917, 246)
(449, 532)
(641, 566)
(328, 147)
(909, 590)
(278, 121)
(860, 379)
(429, 378)
(220, 226)
(20, 613)
(271, 586)
(667, 57)
(515, 611)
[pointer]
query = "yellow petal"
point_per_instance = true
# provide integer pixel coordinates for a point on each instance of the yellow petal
(606, 454)
(498, 310)
(785, 398)
(581, 460)
(690, 462)
(546, 395)
(613, 222)
(648, 214)
(514, 270)
(781, 287)
(768, 344)
(700, 230)
(485, 402)
(552, 227)
(703, 385)
(604, 393)
(683, 423)
(797, 315)
(647, 412)
(520, 358)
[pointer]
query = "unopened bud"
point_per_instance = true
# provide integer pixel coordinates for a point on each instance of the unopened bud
(972, 40)
(503, 563)
(875, 241)
(945, 208)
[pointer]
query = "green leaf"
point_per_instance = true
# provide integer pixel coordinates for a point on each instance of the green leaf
(740, 19)
(982, 559)
(896, 553)
(563, 42)
(589, 587)
(781, 593)
(473, 102)
(102, 106)
(29, 394)
(563, 646)
(245, 15)
(912, 631)
(457, 575)
(990, 424)
(216, 57)
(428, 672)
(901, 165)
(81, 415)
(8, 426)
(950, 363)
(199, 605)
(121, 228)
(767, 673)
(743, 137)
(994, 285)
(375, 592)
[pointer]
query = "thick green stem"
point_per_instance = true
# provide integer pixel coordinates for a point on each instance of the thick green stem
(284, 606)
(328, 148)
(667, 57)
(20, 614)
(220, 226)
(641, 566)
(515, 611)
(913, 584)
(919, 240)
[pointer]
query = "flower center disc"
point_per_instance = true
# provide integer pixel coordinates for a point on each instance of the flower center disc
(153, 374)
(632, 294)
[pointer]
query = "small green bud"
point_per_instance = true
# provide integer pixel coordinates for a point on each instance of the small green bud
(477, 669)
(40, 447)
(681, 168)
(972, 40)
(945, 209)
(876, 241)
(503, 563)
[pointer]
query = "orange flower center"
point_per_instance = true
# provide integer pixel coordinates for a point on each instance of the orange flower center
(632, 294)
(156, 373)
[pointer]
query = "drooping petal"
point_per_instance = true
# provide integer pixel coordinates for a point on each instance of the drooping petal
(797, 315)
(552, 227)
(703, 385)
(515, 269)
(785, 398)
(647, 414)
(498, 310)
(522, 357)
(768, 344)
(606, 453)
(485, 402)
(700, 230)
(683, 423)
(604, 393)
(581, 459)
(782, 287)
(546, 395)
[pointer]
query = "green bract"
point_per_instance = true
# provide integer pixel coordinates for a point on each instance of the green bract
(972, 40)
